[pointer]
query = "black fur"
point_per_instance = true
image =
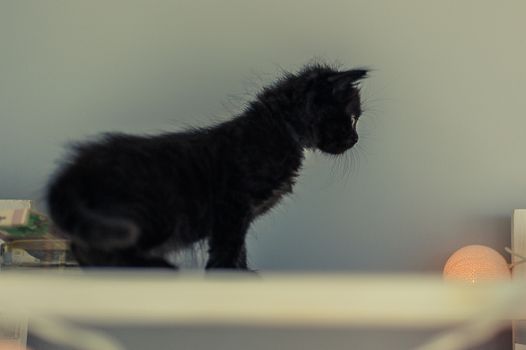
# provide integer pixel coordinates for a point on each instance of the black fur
(126, 200)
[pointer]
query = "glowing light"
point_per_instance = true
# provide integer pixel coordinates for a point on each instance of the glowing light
(476, 263)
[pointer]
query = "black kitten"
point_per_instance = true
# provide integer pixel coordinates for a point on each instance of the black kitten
(127, 200)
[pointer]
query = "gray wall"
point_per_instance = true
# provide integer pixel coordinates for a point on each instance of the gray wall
(440, 162)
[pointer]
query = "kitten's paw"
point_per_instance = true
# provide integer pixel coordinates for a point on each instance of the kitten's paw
(253, 273)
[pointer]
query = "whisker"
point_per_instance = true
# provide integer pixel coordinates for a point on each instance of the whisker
(348, 160)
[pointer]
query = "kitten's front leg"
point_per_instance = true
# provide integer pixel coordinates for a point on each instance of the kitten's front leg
(227, 245)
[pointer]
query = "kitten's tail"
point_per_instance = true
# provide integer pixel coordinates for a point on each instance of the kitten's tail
(104, 232)
(87, 227)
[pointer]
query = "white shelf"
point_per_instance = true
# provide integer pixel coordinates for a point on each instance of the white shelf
(412, 301)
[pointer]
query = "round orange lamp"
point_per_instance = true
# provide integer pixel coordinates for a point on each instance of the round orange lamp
(476, 263)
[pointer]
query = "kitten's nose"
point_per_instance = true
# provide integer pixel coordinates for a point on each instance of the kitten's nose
(351, 142)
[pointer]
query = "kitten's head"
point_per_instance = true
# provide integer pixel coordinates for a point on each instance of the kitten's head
(326, 106)
(334, 107)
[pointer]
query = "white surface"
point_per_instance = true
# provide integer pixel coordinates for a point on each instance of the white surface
(397, 301)
(518, 245)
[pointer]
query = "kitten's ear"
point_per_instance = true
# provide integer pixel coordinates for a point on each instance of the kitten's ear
(344, 80)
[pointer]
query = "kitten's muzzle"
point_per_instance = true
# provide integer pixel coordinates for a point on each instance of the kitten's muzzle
(340, 147)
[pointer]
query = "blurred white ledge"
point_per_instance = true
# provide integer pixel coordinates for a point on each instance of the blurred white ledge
(337, 300)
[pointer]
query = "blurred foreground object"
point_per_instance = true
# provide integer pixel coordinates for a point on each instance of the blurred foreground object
(9, 345)
(13, 332)
(67, 300)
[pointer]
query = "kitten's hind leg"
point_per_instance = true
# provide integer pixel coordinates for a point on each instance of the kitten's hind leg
(89, 257)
